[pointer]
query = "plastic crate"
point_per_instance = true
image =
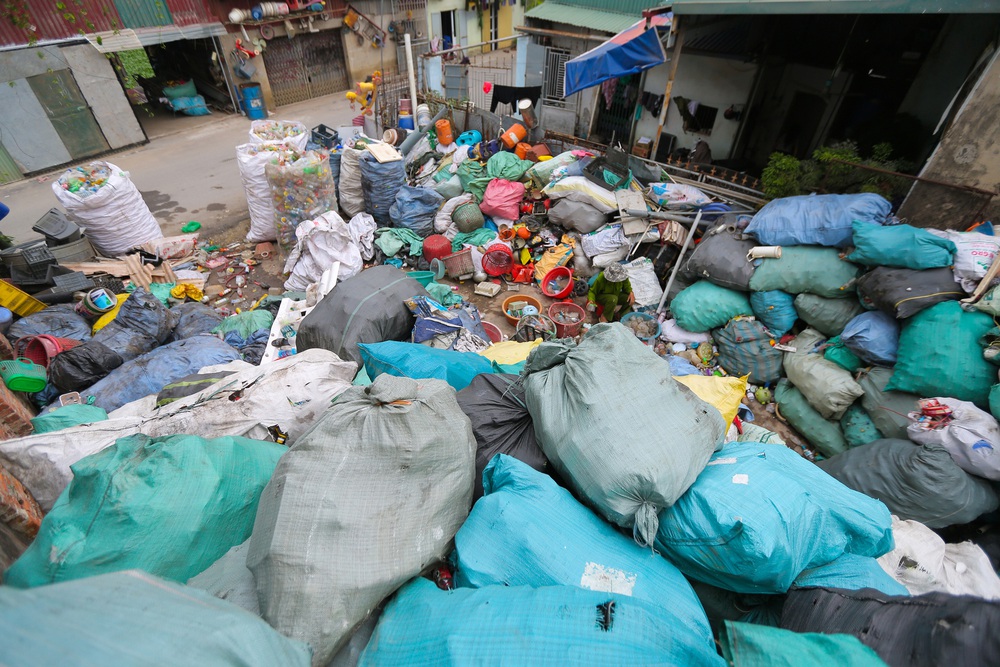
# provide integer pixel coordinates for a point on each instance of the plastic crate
(38, 259)
(324, 136)
(18, 302)
(57, 228)
(459, 264)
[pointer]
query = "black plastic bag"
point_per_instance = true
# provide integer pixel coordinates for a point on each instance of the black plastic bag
(924, 630)
(903, 293)
(501, 423)
(61, 321)
(142, 323)
(721, 256)
(77, 369)
(192, 319)
(368, 308)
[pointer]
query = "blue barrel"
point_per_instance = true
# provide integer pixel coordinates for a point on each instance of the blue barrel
(253, 101)
(406, 122)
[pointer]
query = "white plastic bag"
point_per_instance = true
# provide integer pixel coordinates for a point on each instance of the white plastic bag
(251, 159)
(975, 255)
(320, 243)
(972, 437)
(603, 241)
(677, 195)
(362, 228)
(923, 563)
(116, 217)
(645, 284)
(578, 188)
(290, 132)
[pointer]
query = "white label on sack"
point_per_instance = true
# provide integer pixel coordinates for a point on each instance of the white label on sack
(607, 579)
(720, 462)
(741, 479)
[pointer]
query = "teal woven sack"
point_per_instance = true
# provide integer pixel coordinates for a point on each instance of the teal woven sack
(851, 572)
(171, 506)
(858, 427)
(420, 362)
(807, 269)
(900, 246)
(507, 166)
(67, 416)
(750, 645)
(775, 309)
(745, 349)
(758, 515)
(828, 316)
(705, 306)
(838, 353)
(518, 625)
(825, 436)
(940, 355)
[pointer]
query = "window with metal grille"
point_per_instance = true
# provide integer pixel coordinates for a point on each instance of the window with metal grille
(555, 75)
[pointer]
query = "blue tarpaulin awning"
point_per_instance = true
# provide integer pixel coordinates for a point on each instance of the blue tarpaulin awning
(629, 52)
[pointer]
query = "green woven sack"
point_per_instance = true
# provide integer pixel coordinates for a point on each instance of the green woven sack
(888, 409)
(940, 355)
(828, 316)
(806, 269)
(507, 166)
(474, 179)
(67, 416)
(838, 353)
(751, 645)
(705, 306)
(825, 436)
(858, 427)
(900, 246)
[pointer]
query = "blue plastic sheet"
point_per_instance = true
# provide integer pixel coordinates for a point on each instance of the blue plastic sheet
(417, 361)
(629, 52)
(415, 209)
(851, 572)
(529, 531)
(758, 515)
(816, 219)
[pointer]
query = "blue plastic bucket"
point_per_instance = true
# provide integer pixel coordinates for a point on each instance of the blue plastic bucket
(406, 122)
(253, 101)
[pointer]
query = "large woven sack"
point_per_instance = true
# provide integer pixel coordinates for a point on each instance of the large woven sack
(874, 337)
(828, 387)
(625, 435)
(745, 349)
(494, 403)
(758, 515)
(974, 254)
(417, 361)
(349, 190)
(380, 182)
(900, 246)
(170, 506)
(816, 219)
(919, 482)
(529, 531)
(371, 496)
(251, 159)
(720, 257)
(116, 216)
(576, 215)
(705, 306)
(132, 619)
(925, 631)
(368, 308)
(940, 355)
(853, 573)
(415, 208)
(519, 625)
(903, 293)
(971, 436)
(290, 132)
(776, 309)
(828, 316)
(824, 435)
(887, 409)
(800, 269)
(745, 644)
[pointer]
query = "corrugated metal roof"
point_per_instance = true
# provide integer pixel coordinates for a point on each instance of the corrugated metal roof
(583, 17)
(191, 12)
(681, 7)
(52, 26)
(144, 13)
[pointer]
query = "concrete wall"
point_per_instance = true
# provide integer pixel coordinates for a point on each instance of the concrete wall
(968, 154)
(471, 32)
(716, 82)
(227, 43)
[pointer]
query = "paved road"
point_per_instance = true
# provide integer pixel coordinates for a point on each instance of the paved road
(190, 174)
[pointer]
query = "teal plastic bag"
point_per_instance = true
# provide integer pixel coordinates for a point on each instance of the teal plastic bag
(134, 619)
(171, 506)
(818, 271)
(67, 416)
(758, 515)
(529, 531)
(858, 427)
(246, 323)
(507, 166)
(412, 360)
(851, 572)
(825, 436)
(705, 306)
(995, 401)
(519, 625)
(838, 353)
(776, 309)
(900, 246)
(750, 645)
(939, 355)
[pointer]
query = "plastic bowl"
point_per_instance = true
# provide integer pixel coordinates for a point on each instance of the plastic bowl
(425, 278)
(493, 331)
(555, 274)
(530, 300)
(643, 316)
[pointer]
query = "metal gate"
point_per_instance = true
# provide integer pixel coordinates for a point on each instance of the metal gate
(305, 66)
(615, 109)
(69, 113)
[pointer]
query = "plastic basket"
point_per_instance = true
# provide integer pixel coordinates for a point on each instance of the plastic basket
(18, 302)
(562, 313)
(327, 137)
(550, 287)
(23, 375)
(41, 349)
(468, 217)
(459, 265)
(498, 260)
(514, 316)
(533, 327)
(643, 316)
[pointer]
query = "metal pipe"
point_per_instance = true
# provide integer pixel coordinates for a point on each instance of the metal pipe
(431, 54)
(412, 73)
(413, 137)
(677, 264)
(560, 33)
(919, 179)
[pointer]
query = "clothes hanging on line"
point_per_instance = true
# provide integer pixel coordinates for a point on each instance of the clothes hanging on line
(512, 95)
(652, 103)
